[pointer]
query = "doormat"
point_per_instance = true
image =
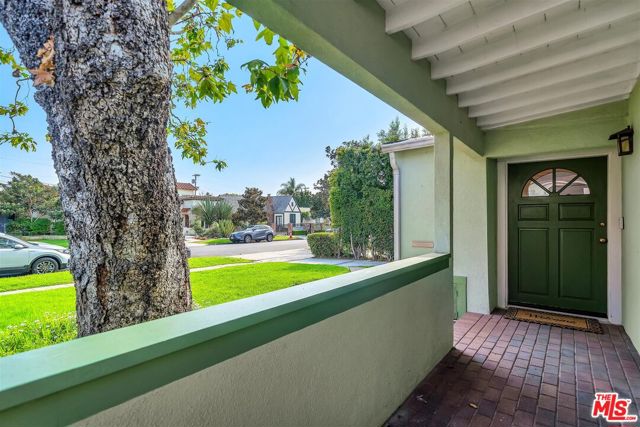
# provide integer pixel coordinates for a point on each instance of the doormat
(552, 319)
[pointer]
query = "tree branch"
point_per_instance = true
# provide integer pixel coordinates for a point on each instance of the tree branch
(180, 11)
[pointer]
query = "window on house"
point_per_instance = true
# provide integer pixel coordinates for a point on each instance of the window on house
(559, 181)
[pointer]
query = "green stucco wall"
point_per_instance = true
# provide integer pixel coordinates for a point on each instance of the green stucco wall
(353, 369)
(417, 213)
(579, 130)
(631, 232)
(471, 224)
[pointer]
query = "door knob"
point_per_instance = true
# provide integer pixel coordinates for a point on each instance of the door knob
(602, 240)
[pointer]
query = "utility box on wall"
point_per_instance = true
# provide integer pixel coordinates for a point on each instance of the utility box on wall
(459, 296)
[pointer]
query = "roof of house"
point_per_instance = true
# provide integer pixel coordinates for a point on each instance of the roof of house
(280, 203)
(185, 186)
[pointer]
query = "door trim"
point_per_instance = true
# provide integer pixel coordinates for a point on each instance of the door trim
(614, 218)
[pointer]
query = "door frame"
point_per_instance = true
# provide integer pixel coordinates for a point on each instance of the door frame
(614, 224)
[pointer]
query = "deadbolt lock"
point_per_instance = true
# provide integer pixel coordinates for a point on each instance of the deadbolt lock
(602, 224)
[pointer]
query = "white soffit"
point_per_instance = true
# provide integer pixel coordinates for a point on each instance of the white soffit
(512, 61)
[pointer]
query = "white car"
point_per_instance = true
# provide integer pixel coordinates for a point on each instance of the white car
(20, 257)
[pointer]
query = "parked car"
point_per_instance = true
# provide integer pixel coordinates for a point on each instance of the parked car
(253, 233)
(20, 257)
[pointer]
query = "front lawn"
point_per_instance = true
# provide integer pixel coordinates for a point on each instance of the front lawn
(35, 319)
(63, 277)
(59, 242)
(210, 261)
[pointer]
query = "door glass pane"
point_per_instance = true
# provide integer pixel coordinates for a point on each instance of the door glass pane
(545, 178)
(531, 189)
(563, 177)
(577, 187)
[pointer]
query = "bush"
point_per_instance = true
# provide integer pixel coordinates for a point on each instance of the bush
(58, 228)
(324, 245)
(27, 227)
(37, 333)
(213, 231)
(226, 227)
(299, 232)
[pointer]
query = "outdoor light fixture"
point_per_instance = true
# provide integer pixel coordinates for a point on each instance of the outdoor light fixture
(625, 141)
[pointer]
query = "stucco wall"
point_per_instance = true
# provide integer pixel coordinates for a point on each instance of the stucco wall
(355, 368)
(631, 232)
(470, 227)
(579, 130)
(417, 214)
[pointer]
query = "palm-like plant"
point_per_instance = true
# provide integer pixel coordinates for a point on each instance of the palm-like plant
(210, 212)
(291, 188)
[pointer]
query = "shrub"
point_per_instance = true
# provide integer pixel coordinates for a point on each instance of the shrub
(324, 244)
(27, 227)
(226, 227)
(299, 232)
(37, 333)
(197, 228)
(213, 231)
(58, 228)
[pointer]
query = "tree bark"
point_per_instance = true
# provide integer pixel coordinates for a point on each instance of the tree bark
(107, 114)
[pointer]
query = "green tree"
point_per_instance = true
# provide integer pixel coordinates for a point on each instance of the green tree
(291, 187)
(26, 197)
(360, 194)
(116, 167)
(252, 207)
(395, 132)
(320, 199)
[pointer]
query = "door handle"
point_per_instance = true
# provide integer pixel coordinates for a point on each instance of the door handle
(603, 240)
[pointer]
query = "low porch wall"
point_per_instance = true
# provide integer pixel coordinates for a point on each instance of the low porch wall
(341, 351)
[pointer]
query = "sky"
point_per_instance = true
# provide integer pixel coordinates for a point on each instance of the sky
(262, 147)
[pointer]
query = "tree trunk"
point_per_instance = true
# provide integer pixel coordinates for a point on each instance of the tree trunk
(107, 114)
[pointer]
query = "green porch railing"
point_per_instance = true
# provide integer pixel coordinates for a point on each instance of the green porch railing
(71, 381)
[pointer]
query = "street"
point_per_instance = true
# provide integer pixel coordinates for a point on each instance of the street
(287, 250)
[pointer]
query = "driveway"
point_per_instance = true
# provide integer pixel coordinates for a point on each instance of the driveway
(288, 250)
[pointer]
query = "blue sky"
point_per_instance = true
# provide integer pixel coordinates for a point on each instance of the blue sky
(262, 147)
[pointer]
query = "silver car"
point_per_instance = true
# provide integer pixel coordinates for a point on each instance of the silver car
(253, 233)
(20, 257)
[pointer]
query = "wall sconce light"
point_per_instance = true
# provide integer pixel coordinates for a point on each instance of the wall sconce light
(624, 139)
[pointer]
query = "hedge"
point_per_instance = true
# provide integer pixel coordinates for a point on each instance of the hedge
(27, 227)
(324, 245)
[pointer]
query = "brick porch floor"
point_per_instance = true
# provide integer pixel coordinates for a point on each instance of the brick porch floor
(505, 372)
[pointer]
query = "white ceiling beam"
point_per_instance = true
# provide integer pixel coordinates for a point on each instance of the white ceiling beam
(627, 73)
(414, 12)
(563, 73)
(618, 89)
(556, 112)
(518, 42)
(503, 15)
(546, 57)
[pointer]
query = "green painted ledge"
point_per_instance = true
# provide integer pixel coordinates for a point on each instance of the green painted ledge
(64, 383)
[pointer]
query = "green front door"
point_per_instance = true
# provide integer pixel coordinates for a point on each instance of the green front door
(557, 235)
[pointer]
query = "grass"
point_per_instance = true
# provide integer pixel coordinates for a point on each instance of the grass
(36, 319)
(35, 281)
(225, 241)
(59, 242)
(211, 261)
(63, 277)
(229, 284)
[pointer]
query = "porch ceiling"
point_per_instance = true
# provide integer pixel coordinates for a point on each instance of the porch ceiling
(511, 61)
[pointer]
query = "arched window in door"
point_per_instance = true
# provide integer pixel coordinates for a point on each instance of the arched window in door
(563, 182)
